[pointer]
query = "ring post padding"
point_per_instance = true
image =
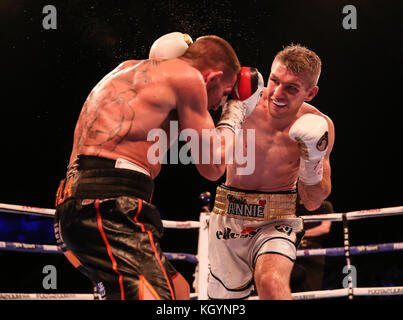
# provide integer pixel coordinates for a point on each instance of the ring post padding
(347, 255)
(202, 256)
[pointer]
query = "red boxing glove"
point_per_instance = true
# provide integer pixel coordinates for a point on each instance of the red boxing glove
(249, 88)
(244, 98)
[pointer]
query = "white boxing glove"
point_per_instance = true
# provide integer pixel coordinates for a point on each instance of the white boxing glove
(311, 133)
(245, 97)
(171, 45)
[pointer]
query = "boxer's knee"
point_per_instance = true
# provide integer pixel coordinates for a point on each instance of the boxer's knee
(181, 287)
(273, 287)
(272, 277)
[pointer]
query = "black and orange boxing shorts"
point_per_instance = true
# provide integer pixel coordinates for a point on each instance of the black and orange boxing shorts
(110, 232)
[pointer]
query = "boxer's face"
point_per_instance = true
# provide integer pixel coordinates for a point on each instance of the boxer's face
(218, 89)
(287, 91)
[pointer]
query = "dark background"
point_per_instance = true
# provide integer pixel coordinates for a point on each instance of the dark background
(47, 75)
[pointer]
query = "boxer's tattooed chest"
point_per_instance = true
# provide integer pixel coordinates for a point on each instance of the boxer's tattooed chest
(107, 117)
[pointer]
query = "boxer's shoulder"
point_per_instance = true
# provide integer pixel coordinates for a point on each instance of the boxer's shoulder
(308, 108)
(127, 64)
(186, 80)
(261, 107)
(263, 99)
(182, 71)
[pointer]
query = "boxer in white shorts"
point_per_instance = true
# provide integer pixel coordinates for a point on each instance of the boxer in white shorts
(253, 235)
(241, 230)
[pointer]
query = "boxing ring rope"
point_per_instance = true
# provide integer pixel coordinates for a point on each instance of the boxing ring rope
(191, 258)
(352, 215)
(201, 259)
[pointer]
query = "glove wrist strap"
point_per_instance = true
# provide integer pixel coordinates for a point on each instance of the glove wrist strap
(311, 172)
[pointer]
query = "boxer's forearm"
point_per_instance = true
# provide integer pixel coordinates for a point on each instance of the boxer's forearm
(323, 228)
(216, 149)
(215, 152)
(312, 196)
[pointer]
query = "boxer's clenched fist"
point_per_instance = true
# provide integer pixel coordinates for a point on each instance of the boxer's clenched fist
(244, 99)
(310, 131)
(171, 45)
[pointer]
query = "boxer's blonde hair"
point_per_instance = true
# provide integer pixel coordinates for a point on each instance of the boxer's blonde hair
(300, 60)
(215, 53)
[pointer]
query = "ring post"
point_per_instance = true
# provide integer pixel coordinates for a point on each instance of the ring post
(202, 256)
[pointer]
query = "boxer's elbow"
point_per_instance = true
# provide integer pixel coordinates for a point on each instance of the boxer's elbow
(326, 191)
(312, 205)
(315, 200)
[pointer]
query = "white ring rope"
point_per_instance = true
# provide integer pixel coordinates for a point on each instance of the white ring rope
(48, 296)
(307, 295)
(337, 251)
(17, 209)
(338, 293)
(352, 215)
(355, 215)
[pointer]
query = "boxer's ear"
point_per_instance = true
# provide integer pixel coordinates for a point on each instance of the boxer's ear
(212, 76)
(312, 93)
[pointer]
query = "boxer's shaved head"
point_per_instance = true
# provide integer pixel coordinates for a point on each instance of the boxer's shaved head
(214, 53)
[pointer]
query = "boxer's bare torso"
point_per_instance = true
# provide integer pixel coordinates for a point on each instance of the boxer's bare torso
(117, 114)
(133, 99)
(276, 154)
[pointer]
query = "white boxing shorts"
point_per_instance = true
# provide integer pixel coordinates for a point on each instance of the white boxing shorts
(243, 226)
